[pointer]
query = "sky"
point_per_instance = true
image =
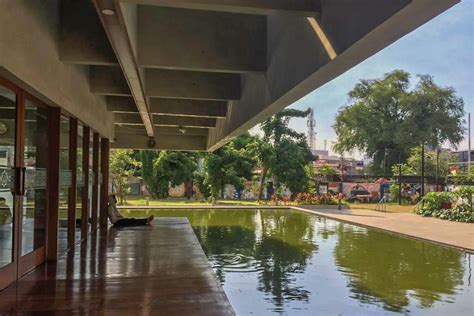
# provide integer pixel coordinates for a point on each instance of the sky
(443, 48)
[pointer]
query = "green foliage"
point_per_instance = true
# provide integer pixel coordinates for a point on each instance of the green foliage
(461, 209)
(394, 192)
(230, 164)
(147, 158)
(462, 178)
(432, 115)
(276, 127)
(284, 153)
(311, 185)
(172, 168)
(264, 155)
(327, 171)
(122, 165)
(288, 168)
(412, 167)
(385, 119)
(201, 185)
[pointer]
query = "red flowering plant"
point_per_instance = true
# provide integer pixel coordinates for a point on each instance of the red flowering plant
(306, 198)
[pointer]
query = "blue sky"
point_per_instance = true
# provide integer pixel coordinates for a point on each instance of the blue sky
(443, 47)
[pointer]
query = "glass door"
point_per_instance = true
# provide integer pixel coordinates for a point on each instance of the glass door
(9, 95)
(23, 182)
(33, 209)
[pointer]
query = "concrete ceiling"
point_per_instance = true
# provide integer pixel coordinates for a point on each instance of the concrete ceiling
(193, 74)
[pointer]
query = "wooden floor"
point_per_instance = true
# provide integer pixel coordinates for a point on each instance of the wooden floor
(157, 270)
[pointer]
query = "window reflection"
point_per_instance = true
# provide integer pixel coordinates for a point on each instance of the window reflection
(35, 160)
(7, 159)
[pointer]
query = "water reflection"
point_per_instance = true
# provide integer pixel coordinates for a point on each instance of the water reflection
(275, 245)
(279, 261)
(387, 270)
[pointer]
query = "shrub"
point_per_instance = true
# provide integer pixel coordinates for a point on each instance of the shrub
(394, 192)
(313, 199)
(432, 202)
(461, 205)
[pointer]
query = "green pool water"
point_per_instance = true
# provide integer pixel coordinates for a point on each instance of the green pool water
(292, 263)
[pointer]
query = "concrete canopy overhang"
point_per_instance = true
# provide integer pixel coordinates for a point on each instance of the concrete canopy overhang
(214, 68)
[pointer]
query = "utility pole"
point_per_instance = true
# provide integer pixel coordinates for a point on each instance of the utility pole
(422, 169)
(341, 184)
(311, 132)
(437, 168)
(469, 142)
(399, 183)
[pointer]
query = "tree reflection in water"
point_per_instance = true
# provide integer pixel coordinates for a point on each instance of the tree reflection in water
(295, 258)
(275, 244)
(388, 270)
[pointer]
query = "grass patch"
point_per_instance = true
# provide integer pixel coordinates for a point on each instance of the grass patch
(140, 201)
(391, 207)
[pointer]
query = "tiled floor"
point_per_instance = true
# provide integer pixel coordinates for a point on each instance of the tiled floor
(156, 270)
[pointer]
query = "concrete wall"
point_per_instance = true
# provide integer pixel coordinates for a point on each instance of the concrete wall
(29, 56)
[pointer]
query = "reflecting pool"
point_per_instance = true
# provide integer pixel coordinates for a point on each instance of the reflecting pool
(292, 263)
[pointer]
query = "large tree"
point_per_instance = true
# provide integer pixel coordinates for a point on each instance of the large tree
(172, 168)
(147, 158)
(122, 165)
(230, 164)
(283, 152)
(385, 119)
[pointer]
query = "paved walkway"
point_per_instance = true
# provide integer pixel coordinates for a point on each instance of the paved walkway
(453, 234)
(152, 270)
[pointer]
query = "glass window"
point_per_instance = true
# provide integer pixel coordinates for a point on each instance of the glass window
(7, 160)
(64, 184)
(36, 162)
(98, 185)
(80, 181)
(91, 173)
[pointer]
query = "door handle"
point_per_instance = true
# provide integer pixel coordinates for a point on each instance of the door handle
(20, 180)
(23, 176)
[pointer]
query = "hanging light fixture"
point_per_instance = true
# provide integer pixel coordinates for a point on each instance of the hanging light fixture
(181, 129)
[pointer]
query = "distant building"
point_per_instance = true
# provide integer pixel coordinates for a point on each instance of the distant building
(462, 158)
(350, 166)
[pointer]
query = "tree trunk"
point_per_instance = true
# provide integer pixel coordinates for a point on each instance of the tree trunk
(188, 186)
(262, 182)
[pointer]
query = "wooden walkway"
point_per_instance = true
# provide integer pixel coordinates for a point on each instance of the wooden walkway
(156, 270)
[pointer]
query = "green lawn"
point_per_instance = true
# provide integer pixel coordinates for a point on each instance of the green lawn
(391, 207)
(140, 201)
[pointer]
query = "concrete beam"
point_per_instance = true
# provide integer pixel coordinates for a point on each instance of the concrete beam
(196, 108)
(200, 122)
(174, 107)
(120, 28)
(261, 7)
(161, 130)
(120, 104)
(108, 80)
(83, 42)
(166, 120)
(162, 83)
(200, 40)
(164, 142)
(173, 130)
